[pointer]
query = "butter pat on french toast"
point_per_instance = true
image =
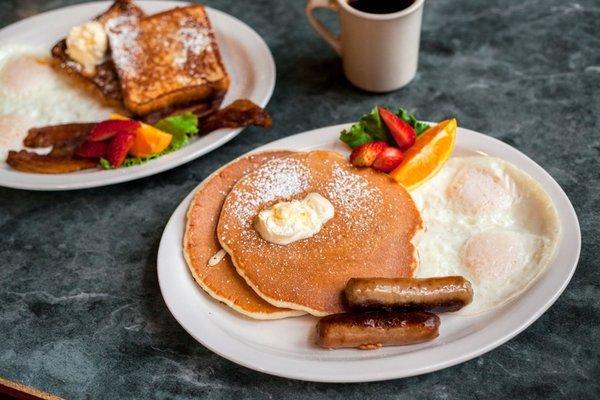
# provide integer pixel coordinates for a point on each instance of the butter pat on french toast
(166, 59)
(104, 79)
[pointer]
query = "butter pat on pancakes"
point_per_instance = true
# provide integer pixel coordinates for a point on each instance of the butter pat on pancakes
(489, 221)
(288, 221)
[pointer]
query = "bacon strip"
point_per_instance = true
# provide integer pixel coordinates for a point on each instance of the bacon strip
(46, 164)
(58, 135)
(238, 114)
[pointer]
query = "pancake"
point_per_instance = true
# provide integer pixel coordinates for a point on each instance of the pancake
(200, 242)
(370, 234)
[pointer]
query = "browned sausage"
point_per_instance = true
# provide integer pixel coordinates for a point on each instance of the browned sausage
(371, 330)
(449, 293)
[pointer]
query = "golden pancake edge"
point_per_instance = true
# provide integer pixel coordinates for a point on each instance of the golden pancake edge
(200, 243)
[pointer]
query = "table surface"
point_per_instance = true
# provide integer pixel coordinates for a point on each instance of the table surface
(81, 311)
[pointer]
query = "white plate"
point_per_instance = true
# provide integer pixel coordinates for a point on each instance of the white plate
(285, 348)
(246, 56)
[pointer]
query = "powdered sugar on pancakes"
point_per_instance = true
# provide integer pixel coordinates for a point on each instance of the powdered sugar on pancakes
(370, 233)
(352, 193)
(353, 198)
(277, 179)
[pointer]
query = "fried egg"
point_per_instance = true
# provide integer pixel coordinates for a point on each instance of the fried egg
(32, 93)
(489, 221)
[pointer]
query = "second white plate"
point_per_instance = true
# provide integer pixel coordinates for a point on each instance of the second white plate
(245, 55)
(285, 347)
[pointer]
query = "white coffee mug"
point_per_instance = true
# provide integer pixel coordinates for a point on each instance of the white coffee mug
(379, 52)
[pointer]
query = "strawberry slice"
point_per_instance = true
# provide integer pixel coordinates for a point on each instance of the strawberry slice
(107, 129)
(365, 154)
(388, 159)
(118, 147)
(404, 135)
(92, 149)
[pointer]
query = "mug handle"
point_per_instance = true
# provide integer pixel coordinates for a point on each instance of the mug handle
(326, 34)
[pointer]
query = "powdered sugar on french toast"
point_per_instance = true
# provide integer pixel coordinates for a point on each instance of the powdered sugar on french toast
(122, 33)
(193, 41)
(160, 55)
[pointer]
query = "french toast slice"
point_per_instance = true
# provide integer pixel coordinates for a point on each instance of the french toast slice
(104, 79)
(167, 59)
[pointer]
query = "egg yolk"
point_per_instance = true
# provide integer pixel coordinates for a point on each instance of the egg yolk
(476, 191)
(493, 255)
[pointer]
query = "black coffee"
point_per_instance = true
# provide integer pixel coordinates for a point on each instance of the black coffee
(380, 6)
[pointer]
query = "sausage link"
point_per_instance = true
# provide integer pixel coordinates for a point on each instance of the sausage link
(443, 294)
(371, 330)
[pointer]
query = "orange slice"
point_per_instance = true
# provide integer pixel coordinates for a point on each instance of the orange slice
(148, 140)
(429, 153)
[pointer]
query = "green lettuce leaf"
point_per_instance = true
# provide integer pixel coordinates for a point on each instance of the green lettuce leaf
(104, 163)
(419, 126)
(180, 124)
(355, 136)
(369, 128)
(374, 125)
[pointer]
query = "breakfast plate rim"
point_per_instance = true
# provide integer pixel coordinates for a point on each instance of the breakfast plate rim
(262, 62)
(361, 370)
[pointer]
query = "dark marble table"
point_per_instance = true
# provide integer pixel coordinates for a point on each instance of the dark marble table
(81, 314)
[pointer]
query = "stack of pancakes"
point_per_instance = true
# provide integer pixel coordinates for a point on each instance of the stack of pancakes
(370, 234)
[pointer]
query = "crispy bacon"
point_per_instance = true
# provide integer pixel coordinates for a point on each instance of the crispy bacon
(64, 139)
(58, 135)
(46, 164)
(238, 114)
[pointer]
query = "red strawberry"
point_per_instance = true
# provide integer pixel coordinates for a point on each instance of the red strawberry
(401, 131)
(119, 147)
(388, 159)
(365, 154)
(92, 149)
(107, 129)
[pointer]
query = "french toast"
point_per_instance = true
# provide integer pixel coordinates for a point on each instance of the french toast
(104, 79)
(166, 59)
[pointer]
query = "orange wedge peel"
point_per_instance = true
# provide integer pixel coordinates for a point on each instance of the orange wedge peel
(429, 153)
(148, 140)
